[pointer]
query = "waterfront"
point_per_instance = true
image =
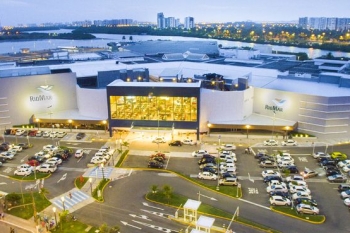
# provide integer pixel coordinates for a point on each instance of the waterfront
(102, 40)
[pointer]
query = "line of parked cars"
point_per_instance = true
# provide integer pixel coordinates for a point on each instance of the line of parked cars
(102, 156)
(222, 167)
(273, 142)
(157, 160)
(8, 151)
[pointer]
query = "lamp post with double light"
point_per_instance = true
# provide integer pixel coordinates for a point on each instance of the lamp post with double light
(54, 212)
(90, 181)
(247, 126)
(63, 206)
(103, 174)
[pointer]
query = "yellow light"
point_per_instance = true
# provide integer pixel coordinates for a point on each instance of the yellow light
(247, 126)
(212, 82)
(69, 121)
(128, 79)
(104, 122)
(209, 125)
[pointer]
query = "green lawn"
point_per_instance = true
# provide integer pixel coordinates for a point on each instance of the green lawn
(73, 226)
(100, 187)
(80, 181)
(293, 212)
(31, 177)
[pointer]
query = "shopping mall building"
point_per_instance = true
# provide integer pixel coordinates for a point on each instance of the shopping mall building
(175, 96)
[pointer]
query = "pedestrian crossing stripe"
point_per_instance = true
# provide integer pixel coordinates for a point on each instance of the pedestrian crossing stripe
(98, 172)
(76, 198)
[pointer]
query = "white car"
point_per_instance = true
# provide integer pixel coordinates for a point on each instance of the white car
(307, 209)
(44, 154)
(301, 195)
(61, 134)
(79, 153)
(53, 134)
(295, 178)
(106, 151)
(50, 147)
(297, 183)
(199, 153)
(39, 133)
(289, 142)
(102, 155)
(46, 134)
(228, 147)
(277, 187)
(285, 159)
(12, 151)
(17, 148)
(346, 168)
(276, 182)
(7, 155)
(271, 142)
(343, 163)
(284, 164)
(320, 154)
(296, 188)
(25, 166)
(20, 132)
(55, 159)
(207, 176)
(46, 167)
(189, 142)
(278, 200)
(23, 172)
(97, 160)
(270, 173)
(159, 140)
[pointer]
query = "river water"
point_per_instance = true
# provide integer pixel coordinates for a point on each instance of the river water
(102, 40)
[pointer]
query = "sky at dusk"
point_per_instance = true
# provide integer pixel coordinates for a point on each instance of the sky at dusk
(14, 12)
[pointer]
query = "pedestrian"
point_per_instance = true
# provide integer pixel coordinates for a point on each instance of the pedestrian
(2, 215)
(70, 195)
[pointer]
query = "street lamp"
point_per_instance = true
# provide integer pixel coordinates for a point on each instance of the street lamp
(62, 199)
(54, 211)
(105, 124)
(90, 181)
(247, 126)
(38, 123)
(103, 174)
(70, 124)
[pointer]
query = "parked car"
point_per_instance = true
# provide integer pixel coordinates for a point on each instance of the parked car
(271, 142)
(307, 209)
(207, 176)
(307, 201)
(320, 155)
(155, 164)
(338, 155)
(301, 195)
(289, 142)
(297, 188)
(279, 193)
(343, 187)
(199, 153)
(229, 181)
(270, 173)
(23, 145)
(61, 134)
(210, 169)
(294, 178)
(7, 155)
(346, 168)
(345, 194)
(20, 132)
(159, 140)
(53, 134)
(57, 160)
(25, 166)
(268, 164)
(175, 143)
(290, 169)
(281, 187)
(97, 160)
(23, 172)
(80, 136)
(39, 133)
(206, 160)
(50, 147)
(267, 179)
(32, 133)
(338, 178)
(46, 134)
(79, 153)
(46, 167)
(279, 200)
(17, 148)
(308, 173)
(189, 142)
(228, 147)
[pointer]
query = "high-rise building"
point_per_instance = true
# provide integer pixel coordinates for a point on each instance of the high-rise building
(303, 22)
(160, 20)
(170, 22)
(189, 22)
(331, 23)
(343, 24)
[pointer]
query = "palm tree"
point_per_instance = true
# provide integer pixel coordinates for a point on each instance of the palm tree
(167, 191)
(154, 188)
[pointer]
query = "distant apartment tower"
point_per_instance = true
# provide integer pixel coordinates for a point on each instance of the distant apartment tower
(189, 22)
(343, 24)
(331, 23)
(160, 20)
(303, 22)
(170, 22)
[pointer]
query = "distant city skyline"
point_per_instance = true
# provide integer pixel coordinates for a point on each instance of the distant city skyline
(15, 12)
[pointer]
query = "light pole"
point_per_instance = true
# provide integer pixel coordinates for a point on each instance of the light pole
(90, 181)
(54, 211)
(38, 123)
(105, 125)
(247, 126)
(62, 199)
(103, 174)
(70, 124)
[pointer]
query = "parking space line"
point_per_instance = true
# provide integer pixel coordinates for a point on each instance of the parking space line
(254, 203)
(167, 162)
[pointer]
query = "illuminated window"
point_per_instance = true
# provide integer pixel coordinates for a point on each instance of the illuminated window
(153, 108)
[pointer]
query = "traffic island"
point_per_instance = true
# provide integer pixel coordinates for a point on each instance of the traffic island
(291, 212)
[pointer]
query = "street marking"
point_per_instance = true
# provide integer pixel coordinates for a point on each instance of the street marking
(2, 183)
(253, 191)
(63, 177)
(140, 216)
(254, 203)
(250, 178)
(127, 224)
(303, 159)
(146, 204)
(8, 170)
(159, 214)
(155, 227)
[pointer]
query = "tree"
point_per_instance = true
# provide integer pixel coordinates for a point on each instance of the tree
(12, 198)
(104, 228)
(130, 38)
(167, 191)
(123, 37)
(154, 188)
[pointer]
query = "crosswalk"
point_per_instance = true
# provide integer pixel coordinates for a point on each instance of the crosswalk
(99, 172)
(70, 201)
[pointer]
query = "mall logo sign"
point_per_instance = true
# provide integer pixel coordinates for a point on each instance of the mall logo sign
(40, 98)
(277, 107)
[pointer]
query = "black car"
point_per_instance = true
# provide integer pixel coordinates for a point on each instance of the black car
(7, 131)
(80, 136)
(332, 172)
(259, 155)
(305, 201)
(291, 169)
(3, 160)
(175, 143)
(210, 169)
(208, 156)
(330, 167)
(155, 164)
(343, 187)
(266, 157)
(279, 193)
(228, 174)
(23, 145)
(328, 162)
(269, 178)
(206, 160)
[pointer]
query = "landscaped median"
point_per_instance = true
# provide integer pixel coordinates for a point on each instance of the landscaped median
(31, 177)
(316, 219)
